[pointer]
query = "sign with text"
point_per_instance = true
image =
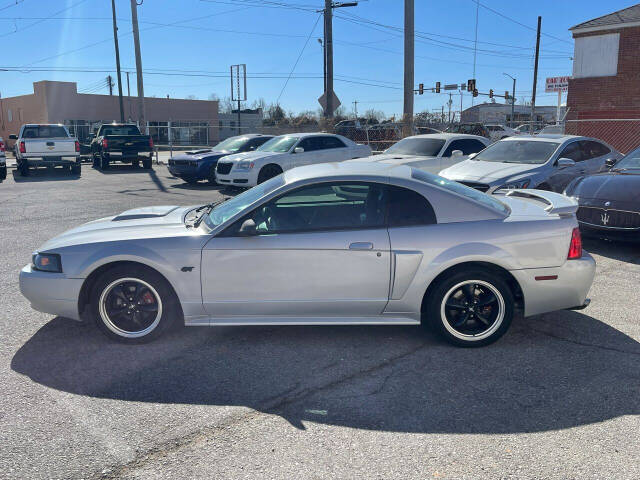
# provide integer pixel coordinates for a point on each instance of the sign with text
(557, 84)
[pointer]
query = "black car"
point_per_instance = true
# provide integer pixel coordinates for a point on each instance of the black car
(610, 201)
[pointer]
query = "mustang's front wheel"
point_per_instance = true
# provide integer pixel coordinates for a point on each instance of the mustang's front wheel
(471, 308)
(133, 305)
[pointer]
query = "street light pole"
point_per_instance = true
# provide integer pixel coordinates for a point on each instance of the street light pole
(513, 96)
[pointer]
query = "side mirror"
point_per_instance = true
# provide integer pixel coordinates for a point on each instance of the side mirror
(565, 162)
(456, 153)
(247, 228)
(13, 136)
(472, 156)
(298, 150)
(610, 163)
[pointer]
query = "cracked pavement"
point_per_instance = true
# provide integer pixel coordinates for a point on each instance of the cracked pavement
(557, 397)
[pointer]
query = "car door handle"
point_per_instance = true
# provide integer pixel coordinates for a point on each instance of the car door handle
(361, 246)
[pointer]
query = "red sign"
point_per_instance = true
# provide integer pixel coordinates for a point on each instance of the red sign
(557, 84)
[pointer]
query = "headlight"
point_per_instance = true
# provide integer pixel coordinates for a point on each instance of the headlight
(47, 262)
(244, 166)
(516, 184)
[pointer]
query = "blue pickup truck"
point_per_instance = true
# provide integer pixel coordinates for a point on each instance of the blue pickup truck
(201, 164)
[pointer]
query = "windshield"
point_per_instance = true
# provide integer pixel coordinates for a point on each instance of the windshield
(417, 146)
(631, 161)
(518, 151)
(455, 187)
(120, 130)
(228, 209)
(44, 131)
(278, 144)
(232, 144)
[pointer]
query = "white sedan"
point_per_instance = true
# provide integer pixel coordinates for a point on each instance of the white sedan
(431, 152)
(331, 244)
(283, 153)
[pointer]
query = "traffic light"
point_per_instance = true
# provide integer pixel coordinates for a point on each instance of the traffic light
(421, 89)
(475, 92)
(471, 85)
(491, 93)
(437, 87)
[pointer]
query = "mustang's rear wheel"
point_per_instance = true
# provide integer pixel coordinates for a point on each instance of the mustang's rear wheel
(133, 305)
(471, 308)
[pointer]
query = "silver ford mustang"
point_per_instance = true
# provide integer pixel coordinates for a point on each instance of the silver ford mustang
(348, 243)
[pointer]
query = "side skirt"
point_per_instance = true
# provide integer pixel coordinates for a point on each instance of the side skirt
(227, 321)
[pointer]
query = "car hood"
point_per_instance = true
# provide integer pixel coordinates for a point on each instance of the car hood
(393, 158)
(201, 155)
(486, 172)
(237, 157)
(138, 223)
(612, 186)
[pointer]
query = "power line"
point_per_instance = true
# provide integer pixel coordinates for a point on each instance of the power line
(12, 4)
(44, 19)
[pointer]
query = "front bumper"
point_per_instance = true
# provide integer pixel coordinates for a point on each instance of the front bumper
(238, 179)
(51, 293)
(543, 293)
(187, 171)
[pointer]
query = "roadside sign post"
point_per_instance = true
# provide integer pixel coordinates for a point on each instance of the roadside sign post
(239, 86)
(557, 84)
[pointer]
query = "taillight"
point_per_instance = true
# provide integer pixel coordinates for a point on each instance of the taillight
(2, 147)
(151, 143)
(77, 146)
(575, 247)
(23, 148)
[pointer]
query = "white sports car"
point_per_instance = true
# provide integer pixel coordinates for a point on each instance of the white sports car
(335, 243)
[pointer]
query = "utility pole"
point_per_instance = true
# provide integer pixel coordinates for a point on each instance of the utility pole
(513, 98)
(355, 108)
(535, 76)
(460, 119)
(409, 35)
(128, 89)
(450, 103)
(136, 42)
(475, 45)
(110, 82)
(115, 41)
(329, 5)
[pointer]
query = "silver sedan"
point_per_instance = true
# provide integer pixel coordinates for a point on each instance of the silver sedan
(349, 244)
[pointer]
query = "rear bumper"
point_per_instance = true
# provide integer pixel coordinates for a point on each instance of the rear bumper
(50, 161)
(51, 293)
(556, 288)
(127, 156)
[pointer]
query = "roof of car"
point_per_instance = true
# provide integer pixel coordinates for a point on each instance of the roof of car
(340, 169)
(308, 134)
(447, 136)
(543, 138)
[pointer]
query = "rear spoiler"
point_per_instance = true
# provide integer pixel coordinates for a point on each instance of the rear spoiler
(557, 204)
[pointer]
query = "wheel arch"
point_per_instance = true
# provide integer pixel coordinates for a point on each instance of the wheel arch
(90, 280)
(516, 290)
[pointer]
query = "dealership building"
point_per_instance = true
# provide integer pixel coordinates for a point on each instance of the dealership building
(501, 113)
(169, 120)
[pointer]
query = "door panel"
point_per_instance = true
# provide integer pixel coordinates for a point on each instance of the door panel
(297, 274)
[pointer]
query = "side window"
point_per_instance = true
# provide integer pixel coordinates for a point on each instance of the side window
(310, 144)
(467, 145)
(255, 143)
(591, 149)
(572, 151)
(332, 142)
(407, 207)
(319, 207)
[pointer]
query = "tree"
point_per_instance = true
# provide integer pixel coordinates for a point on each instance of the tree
(373, 116)
(275, 114)
(214, 97)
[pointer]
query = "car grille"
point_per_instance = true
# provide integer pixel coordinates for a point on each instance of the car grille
(178, 162)
(604, 218)
(224, 168)
(478, 186)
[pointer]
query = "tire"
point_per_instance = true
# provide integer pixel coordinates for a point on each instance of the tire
(268, 171)
(24, 168)
(212, 175)
(146, 163)
(3, 173)
(136, 322)
(95, 161)
(76, 169)
(450, 309)
(104, 163)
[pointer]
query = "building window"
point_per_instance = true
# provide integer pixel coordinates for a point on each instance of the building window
(9, 115)
(596, 56)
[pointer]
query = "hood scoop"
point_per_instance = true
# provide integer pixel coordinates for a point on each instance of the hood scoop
(145, 212)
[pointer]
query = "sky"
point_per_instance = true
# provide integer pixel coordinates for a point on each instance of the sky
(188, 46)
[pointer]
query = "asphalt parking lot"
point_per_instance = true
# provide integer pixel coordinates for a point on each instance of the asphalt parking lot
(557, 397)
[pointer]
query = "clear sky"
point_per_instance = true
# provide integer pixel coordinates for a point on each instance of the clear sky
(188, 45)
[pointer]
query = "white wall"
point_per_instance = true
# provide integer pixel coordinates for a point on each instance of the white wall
(596, 56)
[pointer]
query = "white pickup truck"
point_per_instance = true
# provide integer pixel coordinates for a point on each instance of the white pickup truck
(50, 145)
